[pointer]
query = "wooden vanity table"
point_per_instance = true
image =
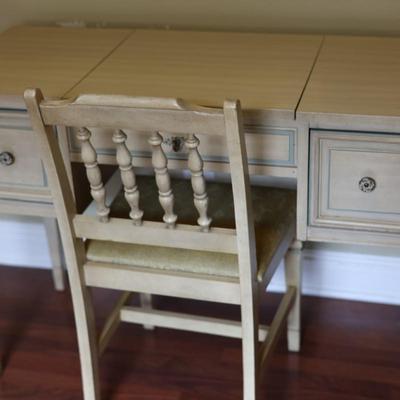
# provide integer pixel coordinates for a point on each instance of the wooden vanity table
(322, 110)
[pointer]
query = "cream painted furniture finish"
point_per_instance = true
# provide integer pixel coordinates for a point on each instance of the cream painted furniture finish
(353, 87)
(351, 108)
(338, 164)
(271, 150)
(23, 183)
(268, 72)
(356, 76)
(26, 169)
(55, 59)
(348, 86)
(150, 116)
(58, 59)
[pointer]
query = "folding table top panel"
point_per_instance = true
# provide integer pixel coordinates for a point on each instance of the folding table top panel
(264, 71)
(355, 75)
(51, 58)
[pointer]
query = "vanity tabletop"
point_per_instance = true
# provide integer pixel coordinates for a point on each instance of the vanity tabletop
(51, 58)
(355, 75)
(264, 71)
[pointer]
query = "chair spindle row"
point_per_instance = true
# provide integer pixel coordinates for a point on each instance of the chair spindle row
(162, 177)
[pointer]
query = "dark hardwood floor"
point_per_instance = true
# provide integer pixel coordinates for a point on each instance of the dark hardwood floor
(350, 350)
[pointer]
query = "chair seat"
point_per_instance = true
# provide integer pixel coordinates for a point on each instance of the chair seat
(274, 213)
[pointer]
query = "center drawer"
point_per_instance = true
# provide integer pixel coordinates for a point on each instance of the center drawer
(355, 180)
(266, 146)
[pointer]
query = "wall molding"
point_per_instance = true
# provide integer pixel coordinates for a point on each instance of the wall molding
(343, 272)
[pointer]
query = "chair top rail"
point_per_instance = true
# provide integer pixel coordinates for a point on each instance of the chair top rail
(144, 114)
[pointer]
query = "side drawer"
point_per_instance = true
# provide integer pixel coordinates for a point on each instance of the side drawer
(20, 166)
(271, 146)
(355, 180)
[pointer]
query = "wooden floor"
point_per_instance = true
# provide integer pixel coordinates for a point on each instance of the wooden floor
(350, 350)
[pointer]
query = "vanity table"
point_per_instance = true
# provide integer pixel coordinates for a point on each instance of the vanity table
(324, 111)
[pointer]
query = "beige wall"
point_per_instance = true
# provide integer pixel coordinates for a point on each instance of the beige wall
(332, 16)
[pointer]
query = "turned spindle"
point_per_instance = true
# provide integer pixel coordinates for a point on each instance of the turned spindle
(93, 173)
(200, 197)
(163, 180)
(128, 178)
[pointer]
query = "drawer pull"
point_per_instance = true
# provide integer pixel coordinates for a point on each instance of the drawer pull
(176, 142)
(367, 184)
(6, 158)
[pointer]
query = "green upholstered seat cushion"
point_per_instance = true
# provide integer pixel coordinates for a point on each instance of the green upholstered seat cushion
(274, 212)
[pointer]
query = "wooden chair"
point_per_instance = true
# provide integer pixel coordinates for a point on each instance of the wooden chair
(225, 252)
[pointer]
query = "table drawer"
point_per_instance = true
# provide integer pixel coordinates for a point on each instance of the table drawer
(355, 180)
(265, 146)
(20, 164)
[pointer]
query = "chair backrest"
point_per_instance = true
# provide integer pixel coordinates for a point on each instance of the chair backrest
(152, 117)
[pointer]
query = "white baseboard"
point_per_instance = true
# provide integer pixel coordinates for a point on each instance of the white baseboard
(355, 273)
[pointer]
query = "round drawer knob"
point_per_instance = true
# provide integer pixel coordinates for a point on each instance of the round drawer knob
(367, 184)
(6, 158)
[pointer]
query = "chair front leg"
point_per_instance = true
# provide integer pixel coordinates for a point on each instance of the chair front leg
(146, 302)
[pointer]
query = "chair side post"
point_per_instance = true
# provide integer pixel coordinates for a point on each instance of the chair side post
(246, 246)
(73, 248)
